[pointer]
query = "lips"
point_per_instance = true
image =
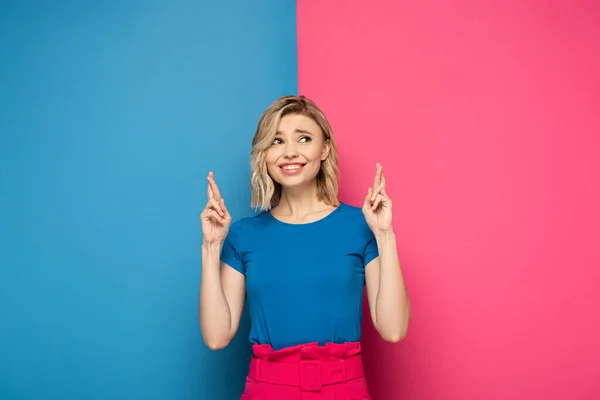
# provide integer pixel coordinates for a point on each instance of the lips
(291, 168)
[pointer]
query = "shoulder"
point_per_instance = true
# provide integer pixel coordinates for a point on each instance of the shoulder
(350, 220)
(350, 209)
(351, 214)
(247, 224)
(351, 227)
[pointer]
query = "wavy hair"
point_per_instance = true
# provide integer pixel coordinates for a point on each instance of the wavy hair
(266, 193)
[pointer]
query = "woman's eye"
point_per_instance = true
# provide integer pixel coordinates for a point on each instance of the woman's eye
(305, 139)
(276, 141)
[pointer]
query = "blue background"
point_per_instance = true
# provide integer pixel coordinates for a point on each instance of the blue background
(111, 116)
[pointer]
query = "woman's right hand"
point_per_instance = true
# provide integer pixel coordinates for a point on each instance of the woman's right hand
(215, 219)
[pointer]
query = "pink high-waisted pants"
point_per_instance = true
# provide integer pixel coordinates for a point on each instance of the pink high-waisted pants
(306, 372)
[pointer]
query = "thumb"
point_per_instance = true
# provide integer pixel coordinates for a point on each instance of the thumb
(225, 210)
(367, 202)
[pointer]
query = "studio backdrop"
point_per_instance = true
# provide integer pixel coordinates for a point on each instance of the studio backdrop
(483, 114)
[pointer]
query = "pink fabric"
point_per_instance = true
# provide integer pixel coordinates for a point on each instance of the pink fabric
(307, 372)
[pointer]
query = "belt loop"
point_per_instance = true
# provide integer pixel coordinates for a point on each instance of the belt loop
(311, 375)
(344, 370)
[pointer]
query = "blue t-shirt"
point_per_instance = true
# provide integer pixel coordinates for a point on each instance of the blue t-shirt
(304, 282)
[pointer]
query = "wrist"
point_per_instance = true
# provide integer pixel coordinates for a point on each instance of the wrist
(214, 245)
(384, 236)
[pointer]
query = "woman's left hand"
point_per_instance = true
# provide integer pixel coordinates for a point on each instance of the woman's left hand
(377, 207)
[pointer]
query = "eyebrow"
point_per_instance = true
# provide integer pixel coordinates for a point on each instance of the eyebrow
(301, 131)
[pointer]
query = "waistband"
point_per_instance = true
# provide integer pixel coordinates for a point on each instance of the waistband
(308, 366)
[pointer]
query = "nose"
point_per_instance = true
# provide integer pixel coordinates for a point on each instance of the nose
(290, 150)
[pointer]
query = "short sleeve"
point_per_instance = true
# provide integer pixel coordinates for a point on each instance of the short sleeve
(230, 252)
(371, 251)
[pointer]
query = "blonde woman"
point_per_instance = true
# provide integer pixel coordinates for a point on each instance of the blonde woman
(301, 263)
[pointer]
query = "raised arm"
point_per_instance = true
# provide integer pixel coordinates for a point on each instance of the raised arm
(388, 299)
(222, 289)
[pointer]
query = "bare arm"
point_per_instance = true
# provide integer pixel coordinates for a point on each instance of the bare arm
(389, 303)
(222, 297)
(222, 288)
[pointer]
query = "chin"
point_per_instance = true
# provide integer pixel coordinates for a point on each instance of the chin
(288, 182)
(294, 181)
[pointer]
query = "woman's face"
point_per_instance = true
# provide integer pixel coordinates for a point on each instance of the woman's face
(294, 158)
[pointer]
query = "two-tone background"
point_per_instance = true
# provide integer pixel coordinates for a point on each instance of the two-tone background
(484, 115)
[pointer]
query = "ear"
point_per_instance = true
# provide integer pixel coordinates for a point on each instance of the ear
(325, 151)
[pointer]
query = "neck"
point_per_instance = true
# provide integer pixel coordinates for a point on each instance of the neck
(300, 201)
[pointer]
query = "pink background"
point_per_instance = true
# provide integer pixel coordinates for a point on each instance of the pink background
(485, 116)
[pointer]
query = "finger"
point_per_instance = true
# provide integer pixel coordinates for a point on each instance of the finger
(376, 192)
(210, 192)
(377, 180)
(213, 215)
(213, 186)
(224, 208)
(377, 201)
(383, 187)
(215, 205)
(367, 202)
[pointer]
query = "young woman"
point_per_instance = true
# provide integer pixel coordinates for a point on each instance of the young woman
(302, 264)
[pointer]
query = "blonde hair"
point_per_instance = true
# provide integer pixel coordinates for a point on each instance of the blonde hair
(266, 193)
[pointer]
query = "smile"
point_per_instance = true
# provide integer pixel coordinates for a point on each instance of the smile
(291, 168)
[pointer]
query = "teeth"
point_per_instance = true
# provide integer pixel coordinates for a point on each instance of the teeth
(291, 167)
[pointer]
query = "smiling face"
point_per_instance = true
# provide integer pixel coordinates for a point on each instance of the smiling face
(294, 158)
(293, 146)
